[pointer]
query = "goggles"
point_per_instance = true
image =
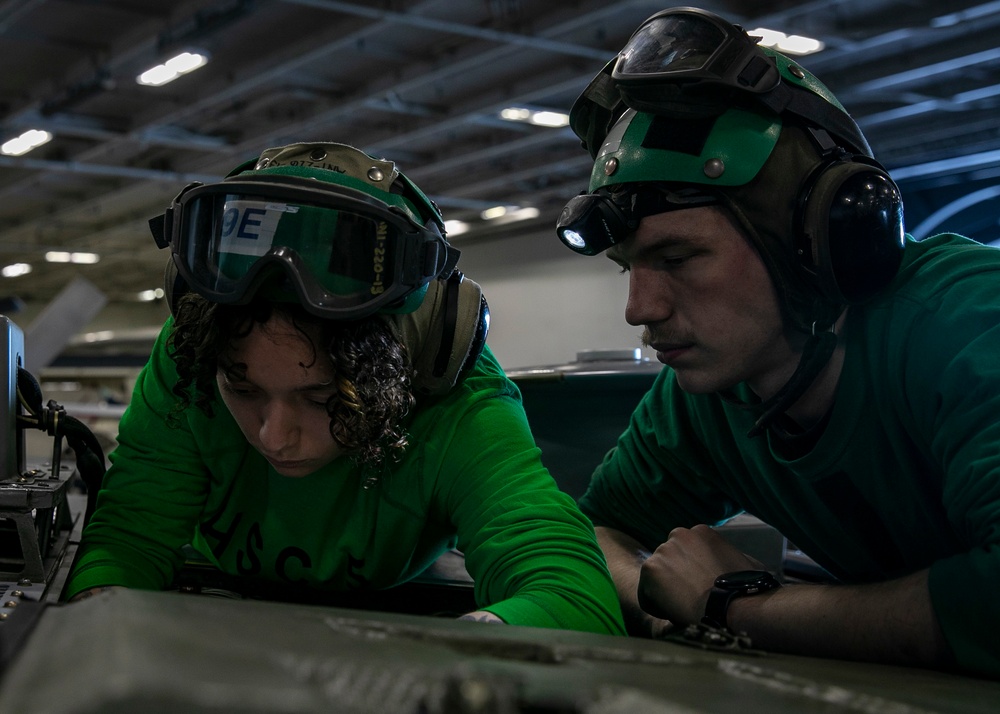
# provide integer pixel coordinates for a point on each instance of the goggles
(694, 47)
(593, 222)
(342, 253)
(686, 60)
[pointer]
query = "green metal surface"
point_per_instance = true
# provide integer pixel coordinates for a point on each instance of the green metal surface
(131, 651)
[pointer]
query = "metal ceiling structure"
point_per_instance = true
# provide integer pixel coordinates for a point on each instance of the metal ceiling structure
(423, 83)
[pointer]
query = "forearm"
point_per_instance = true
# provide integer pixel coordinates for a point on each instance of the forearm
(625, 557)
(890, 622)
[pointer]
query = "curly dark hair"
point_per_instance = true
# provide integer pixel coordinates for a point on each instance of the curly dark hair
(372, 370)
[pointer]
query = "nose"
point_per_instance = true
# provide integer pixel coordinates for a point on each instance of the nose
(279, 429)
(649, 298)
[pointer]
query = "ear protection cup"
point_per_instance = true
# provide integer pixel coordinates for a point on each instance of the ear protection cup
(850, 228)
(445, 335)
(478, 340)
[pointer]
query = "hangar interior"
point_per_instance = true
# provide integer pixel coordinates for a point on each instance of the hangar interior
(467, 98)
(426, 84)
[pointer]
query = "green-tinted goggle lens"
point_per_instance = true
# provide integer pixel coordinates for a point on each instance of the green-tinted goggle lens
(344, 256)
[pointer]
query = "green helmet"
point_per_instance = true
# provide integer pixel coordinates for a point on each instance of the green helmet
(785, 176)
(693, 111)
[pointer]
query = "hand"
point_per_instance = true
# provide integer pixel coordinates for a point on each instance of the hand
(482, 616)
(675, 580)
(84, 594)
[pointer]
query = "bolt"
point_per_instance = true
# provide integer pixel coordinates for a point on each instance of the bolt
(714, 168)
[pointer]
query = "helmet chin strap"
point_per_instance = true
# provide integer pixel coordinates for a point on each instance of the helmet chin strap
(815, 355)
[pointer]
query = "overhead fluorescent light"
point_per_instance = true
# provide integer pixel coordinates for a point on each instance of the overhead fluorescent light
(455, 227)
(61, 256)
(491, 214)
(506, 214)
(31, 139)
(151, 295)
(538, 117)
(789, 44)
(173, 68)
(15, 269)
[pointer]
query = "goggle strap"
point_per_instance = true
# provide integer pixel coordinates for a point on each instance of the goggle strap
(158, 227)
(821, 113)
(754, 71)
(451, 260)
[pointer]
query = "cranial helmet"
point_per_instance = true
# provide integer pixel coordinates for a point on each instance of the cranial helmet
(344, 234)
(348, 235)
(692, 112)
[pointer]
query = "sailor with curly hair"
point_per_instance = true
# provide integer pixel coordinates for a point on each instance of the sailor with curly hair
(321, 411)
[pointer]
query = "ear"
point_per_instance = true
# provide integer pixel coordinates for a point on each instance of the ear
(445, 335)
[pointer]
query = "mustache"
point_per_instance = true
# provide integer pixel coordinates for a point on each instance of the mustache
(648, 339)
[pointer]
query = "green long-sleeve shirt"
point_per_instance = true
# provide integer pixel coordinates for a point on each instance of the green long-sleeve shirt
(905, 476)
(471, 478)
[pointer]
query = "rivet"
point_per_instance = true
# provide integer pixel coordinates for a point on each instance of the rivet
(610, 166)
(262, 164)
(375, 174)
(10, 603)
(16, 593)
(24, 583)
(796, 71)
(317, 154)
(714, 168)
(3, 615)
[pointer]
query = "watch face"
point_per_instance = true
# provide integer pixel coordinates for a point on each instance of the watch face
(747, 581)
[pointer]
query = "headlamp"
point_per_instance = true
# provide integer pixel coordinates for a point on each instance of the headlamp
(342, 253)
(689, 61)
(593, 222)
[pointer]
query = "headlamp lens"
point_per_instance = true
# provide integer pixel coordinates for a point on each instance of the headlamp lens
(573, 239)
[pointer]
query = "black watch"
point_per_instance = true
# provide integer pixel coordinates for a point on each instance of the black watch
(729, 586)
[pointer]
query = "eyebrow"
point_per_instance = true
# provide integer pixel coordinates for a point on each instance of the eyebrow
(237, 377)
(615, 253)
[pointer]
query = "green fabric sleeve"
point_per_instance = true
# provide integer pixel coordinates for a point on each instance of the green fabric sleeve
(951, 373)
(533, 555)
(472, 472)
(904, 477)
(144, 515)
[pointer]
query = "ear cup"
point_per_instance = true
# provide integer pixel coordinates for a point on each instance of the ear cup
(478, 340)
(445, 335)
(850, 235)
